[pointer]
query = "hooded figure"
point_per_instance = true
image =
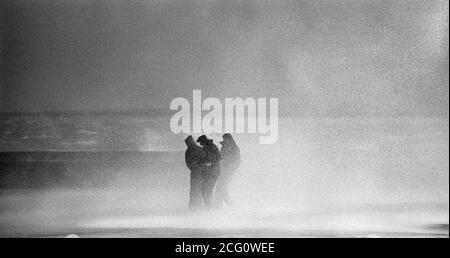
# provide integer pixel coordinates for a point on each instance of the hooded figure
(193, 156)
(231, 158)
(211, 169)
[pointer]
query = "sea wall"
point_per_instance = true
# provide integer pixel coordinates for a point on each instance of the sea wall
(81, 169)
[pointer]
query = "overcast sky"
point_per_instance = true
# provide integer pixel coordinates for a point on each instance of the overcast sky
(317, 57)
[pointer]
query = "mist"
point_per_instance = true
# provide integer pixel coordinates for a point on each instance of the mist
(376, 57)
(362, 86)
(353, 177)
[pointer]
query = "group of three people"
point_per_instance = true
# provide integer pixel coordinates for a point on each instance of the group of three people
(211, 170)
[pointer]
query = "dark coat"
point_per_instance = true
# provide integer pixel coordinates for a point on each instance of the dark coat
(231, 156)
(194, 155)
(211, 160)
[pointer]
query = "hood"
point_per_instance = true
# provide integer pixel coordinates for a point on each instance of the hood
(204, 140)
(190, 141)
(228, 140)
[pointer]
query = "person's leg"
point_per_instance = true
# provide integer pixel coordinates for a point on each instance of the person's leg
(213, 188)
(225, 185)
(205, 191)
(227, 197)
(195, 193)
(220, 192)
(209, 191)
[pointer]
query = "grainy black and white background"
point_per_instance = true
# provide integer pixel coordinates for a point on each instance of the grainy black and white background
(363, 88)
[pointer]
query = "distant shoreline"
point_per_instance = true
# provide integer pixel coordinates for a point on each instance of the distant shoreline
(151, 112)
(65, 156)
(159, 113)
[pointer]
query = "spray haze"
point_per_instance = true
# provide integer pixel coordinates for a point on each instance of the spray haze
(374, 56)
(362, 89)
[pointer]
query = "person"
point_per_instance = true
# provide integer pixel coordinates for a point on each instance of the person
(193, 157)
(211, 169)
(231, 158)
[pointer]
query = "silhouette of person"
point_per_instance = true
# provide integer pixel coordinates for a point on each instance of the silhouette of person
(193, 157)
(231, 158)
(211, 169)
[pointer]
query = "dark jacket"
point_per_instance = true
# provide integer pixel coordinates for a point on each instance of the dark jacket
(231, 156)
(212, 159)
(194, 154)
